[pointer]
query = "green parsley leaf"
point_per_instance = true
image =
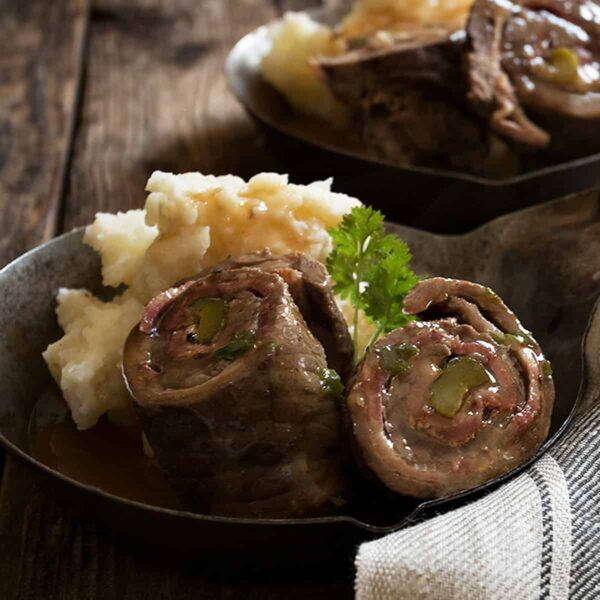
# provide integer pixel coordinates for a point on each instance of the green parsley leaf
(371, 268)
(354, 242)
(331, 384)
(239, 344)
(389, 282)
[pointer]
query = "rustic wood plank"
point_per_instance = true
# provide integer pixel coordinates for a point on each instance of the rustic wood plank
(41, 48)
(46, 553)
(156, 98)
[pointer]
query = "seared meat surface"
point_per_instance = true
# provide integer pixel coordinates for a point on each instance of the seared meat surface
(454, 399)
(230, 385)
(534, 70)
(311, 288)
(523, 77)
(410, 101)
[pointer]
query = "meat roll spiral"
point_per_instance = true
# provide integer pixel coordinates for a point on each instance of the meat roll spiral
(236, 398)
(454, 399)
(311, 288)
(534, 69)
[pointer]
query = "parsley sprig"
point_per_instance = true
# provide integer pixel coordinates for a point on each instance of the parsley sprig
(371, 269)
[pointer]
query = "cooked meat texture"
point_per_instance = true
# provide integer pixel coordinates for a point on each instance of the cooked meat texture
(311, 288)
(410, 103)
(241, 422)
(534, 70)
(454, 399)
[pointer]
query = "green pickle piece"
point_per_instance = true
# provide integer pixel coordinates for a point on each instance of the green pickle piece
(518, 338)
(396, 359)
(522, 338)
(331, 384)
(498, 337)
(514, 339)
(209, 315)
(547, 369)
(459, 377)
(566, 63)
(356, 43)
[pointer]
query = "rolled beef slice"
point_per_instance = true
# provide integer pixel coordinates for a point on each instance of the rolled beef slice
(311, 288)
(235, 397)
(454, 399)
(534, 70)
(410, 102)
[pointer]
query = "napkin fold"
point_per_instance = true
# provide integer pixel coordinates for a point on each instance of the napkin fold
(538, 536)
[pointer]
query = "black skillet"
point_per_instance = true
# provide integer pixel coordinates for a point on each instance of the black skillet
(439, 200)
(543, 261)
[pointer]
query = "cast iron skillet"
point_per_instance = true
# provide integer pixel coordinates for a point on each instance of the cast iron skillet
(419, 196)
(543, 261)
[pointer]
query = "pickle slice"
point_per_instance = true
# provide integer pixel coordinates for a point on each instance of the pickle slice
(209, 315)
(396, 359)
(566, 63)
(448, 391)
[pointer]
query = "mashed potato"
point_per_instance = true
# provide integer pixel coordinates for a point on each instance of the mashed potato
(122, 240)
(189, 222)
(86, 361)
(287, 66)
(368, 16)
(298, 39)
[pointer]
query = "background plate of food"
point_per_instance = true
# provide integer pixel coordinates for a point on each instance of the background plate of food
(417, 98)
(200, 402)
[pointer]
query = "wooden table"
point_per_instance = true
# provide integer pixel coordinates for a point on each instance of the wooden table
(96, 94)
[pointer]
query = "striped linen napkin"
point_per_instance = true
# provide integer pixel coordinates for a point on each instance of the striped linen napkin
(538, 536)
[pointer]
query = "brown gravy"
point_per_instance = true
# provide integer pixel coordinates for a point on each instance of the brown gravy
(107, 456)
(112, 459)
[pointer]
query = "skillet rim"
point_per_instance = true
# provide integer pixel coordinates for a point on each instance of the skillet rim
(238, 57)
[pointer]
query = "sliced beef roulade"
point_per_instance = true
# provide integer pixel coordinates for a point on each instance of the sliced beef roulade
(409, 102)
(310, 286)
(452, 400)
(235, 397)
(534, 70)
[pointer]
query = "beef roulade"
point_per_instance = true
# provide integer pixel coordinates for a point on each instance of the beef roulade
(236, 398)
(534, 70)
(409, 102)
(454, 399)
(310, 286)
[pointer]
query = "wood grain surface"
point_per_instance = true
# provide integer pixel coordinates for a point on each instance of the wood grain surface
(47, 553)
(155, 98)
(149, 74)
(41, 50)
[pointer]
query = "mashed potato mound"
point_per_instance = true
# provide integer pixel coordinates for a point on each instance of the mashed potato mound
(122, 240)
(368, 16)
(299, 39)
(288, 69)
(190, 221)
(86, 361)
